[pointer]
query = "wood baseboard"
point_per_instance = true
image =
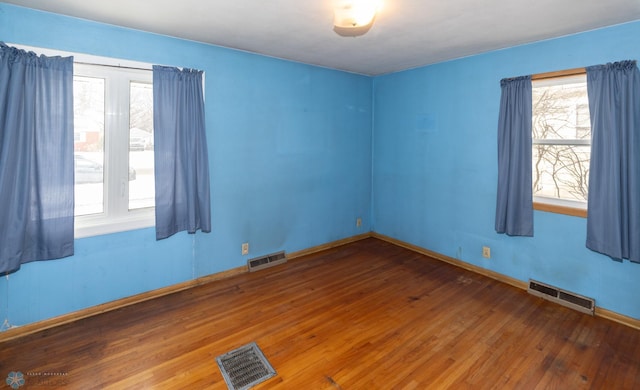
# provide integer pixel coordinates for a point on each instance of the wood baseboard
(329, 245)
(38, 326)
(617, 317)
(20, 331)
(599, 312)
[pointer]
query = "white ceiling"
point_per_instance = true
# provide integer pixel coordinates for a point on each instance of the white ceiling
(406, 33)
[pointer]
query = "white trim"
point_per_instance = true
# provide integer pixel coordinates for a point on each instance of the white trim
(93, 225)
(116, 216)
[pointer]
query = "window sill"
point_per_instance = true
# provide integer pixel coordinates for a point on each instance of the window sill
(553, 208)
(96, 225)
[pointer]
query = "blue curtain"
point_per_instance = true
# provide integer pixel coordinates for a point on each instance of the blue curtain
(181, 161)
(613, 222)
(514, 205)
(36, 157)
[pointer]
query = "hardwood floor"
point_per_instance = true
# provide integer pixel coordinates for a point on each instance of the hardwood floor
(367, 315)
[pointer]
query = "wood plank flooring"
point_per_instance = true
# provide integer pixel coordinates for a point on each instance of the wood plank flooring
(367, 315)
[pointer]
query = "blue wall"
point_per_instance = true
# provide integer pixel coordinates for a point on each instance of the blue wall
(290, 163)
(435, 167)
(291, 167)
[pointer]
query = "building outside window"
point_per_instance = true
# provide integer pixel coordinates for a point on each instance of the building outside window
(561, 141)
(113, 149)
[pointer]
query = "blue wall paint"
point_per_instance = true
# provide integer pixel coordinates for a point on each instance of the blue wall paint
(104, 268)
(290, 163)
(292, 166)
(435, 167)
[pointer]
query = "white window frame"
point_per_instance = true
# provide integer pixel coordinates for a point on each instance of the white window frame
(110, 220)
(563, 206)
(116, 216)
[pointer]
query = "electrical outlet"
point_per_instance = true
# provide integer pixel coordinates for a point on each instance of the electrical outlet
(358, 222)
(486, 252)
(245, 248)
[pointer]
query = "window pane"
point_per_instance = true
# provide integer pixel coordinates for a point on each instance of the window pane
(141, 176)
(88, 107)
(561, 171)
(561, 111)
(561, 137)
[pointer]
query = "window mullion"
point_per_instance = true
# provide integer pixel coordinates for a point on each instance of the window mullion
(117, 146)
(568, 142)
(118, 176)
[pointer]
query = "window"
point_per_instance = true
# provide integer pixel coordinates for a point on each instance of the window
(113, 149)
(561, 144)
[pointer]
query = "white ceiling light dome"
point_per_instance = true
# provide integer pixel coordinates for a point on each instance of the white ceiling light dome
(354, 17)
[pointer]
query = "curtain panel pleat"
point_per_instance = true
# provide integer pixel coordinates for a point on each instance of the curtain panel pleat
(181, 159)
(36, 157)
(613, 221)
(514, 205)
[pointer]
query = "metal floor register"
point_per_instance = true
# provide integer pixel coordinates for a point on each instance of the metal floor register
(245, 367)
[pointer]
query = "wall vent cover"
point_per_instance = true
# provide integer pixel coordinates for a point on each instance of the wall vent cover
(562, 297)
(245, 367)
(267, 261)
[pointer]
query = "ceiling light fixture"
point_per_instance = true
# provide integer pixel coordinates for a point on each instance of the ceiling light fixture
(352, 18)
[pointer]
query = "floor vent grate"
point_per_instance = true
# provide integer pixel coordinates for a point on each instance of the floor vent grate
(565, 298)
(267, 261)
(245, 367)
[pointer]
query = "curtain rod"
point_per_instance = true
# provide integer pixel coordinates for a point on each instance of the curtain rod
(86, 59)
(563, 73)
(112, 66)
(559, 73)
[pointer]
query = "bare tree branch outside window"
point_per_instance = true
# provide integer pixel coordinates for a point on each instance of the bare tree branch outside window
(561, 141)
